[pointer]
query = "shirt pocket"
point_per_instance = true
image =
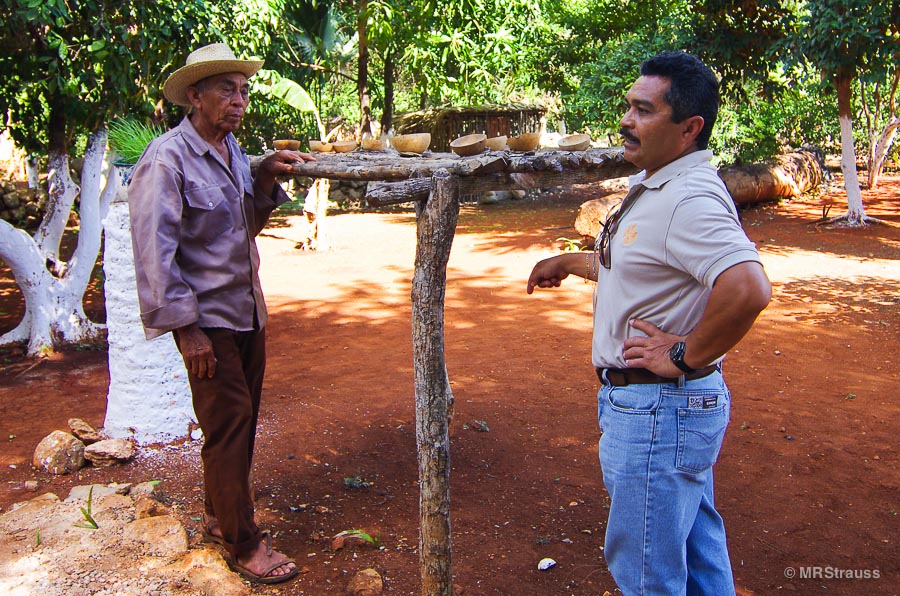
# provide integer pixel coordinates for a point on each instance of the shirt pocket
(208, 214)
(700, 434)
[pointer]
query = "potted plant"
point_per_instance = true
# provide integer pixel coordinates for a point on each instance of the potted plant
(128, 138)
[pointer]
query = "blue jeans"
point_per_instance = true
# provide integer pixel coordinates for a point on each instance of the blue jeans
(658, 445)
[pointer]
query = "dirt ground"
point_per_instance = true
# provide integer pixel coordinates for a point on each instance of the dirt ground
(808, 480)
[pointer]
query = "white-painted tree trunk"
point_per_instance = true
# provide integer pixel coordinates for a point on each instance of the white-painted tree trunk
(855, 210)
(856, 214)
(31, 171)
(54, 291)
(882, 147)
(149, 397)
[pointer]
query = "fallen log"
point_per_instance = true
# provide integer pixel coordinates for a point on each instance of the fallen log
(786, 176)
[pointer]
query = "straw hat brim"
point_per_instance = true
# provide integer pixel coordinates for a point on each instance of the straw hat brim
(175, 87)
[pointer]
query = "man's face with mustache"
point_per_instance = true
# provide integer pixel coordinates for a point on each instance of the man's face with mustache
(652, 140)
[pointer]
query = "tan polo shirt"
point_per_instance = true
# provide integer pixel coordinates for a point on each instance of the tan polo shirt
(668, 250)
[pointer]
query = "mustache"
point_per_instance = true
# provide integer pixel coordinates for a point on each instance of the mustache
(628, 136)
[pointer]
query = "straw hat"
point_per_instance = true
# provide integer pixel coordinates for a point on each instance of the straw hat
(208, 61)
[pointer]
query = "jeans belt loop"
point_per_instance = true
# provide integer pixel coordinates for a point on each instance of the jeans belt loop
(602, 374)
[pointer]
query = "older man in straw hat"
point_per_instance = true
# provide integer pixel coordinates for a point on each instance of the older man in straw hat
(195, 213)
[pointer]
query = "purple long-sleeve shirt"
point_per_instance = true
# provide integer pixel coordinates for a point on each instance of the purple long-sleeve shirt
(193, 226)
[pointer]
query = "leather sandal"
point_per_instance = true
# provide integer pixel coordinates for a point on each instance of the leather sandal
(207, 526)
(264, 577)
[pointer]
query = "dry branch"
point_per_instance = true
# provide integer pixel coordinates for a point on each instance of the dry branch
(541, 170)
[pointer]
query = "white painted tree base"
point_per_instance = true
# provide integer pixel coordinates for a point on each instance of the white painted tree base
(149, 397)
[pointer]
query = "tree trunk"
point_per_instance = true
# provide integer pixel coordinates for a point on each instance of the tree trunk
(62, 191)
(362, 81)
(880, 145)
(54, 292)
(387, 116)
(436, 223)
(882, 148)
(315, 208)
(149, 398)
(856, 213)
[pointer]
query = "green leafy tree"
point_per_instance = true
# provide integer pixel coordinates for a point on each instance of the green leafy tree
(847, 40)
(64, 69)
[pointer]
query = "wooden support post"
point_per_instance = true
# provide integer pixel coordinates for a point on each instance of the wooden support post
(436, 225)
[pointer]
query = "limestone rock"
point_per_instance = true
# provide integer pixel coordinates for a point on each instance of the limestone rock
(365, 583)
(592, 213)
(207, 571)
(97, 491)
(84, 431)
(161, 536)
(151, 489)
(24, 516)
(109, 452)
(348, 538)
(146, 506)
(59, 453)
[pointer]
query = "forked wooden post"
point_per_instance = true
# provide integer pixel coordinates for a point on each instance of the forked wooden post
(436, 226)
(400, 182)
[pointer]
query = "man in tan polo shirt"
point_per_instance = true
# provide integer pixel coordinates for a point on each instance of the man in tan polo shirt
(678, 285)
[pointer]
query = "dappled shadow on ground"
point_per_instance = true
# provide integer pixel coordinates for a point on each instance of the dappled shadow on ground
(810, 458)
(798, 224)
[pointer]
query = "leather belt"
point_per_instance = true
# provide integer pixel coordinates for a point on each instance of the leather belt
(619, 377)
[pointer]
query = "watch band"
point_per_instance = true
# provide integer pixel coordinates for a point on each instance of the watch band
(676, 355)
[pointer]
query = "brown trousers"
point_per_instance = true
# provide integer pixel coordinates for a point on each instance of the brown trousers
(227, 408)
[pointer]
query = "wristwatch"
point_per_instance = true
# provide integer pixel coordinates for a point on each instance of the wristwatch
(676, 355)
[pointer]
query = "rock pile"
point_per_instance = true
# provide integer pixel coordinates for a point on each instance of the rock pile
(22, 207)
(61, 452)
(139, 547)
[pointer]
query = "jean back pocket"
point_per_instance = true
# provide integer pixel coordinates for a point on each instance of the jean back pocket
(700, 434)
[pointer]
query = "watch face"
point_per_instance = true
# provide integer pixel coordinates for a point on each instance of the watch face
(676, 352)
(676, 355)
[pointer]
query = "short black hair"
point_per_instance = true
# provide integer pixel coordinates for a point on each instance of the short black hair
(693, 88)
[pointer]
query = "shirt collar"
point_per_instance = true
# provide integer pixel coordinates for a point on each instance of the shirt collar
(671, 170)
(197, 143)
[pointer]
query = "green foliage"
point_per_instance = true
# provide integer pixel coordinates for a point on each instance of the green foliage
(843, 37)
(595, 102)
(356, 483)
(67, 67)
(89, 523)
(128, 138)
(743, 40)
(570, 244)
(373, 540)
(757, 127)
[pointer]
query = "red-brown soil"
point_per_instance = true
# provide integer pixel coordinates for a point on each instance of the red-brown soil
(807, 482)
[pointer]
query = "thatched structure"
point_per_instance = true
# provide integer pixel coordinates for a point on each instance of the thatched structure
(448, 123)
